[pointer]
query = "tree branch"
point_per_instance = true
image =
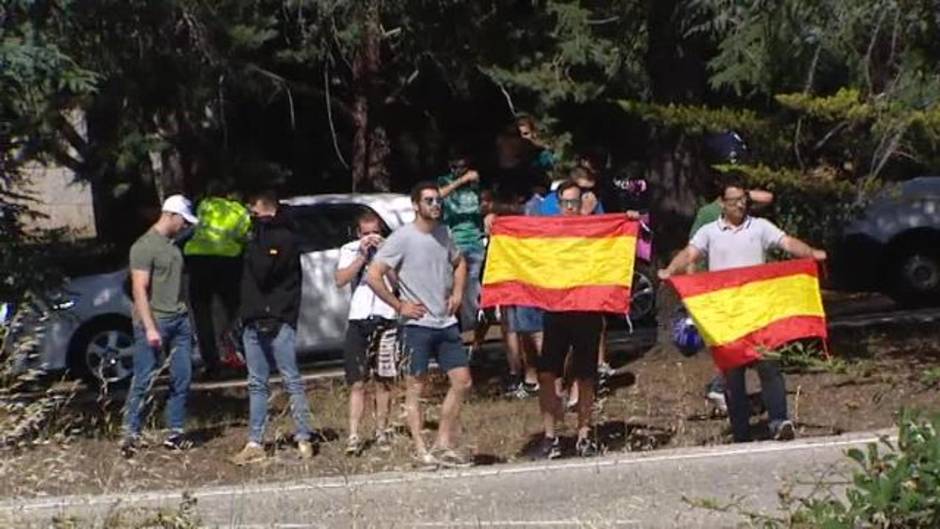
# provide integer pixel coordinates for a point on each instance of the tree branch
(329, 115)
(871, 47)
(281, 83)
(806, 89)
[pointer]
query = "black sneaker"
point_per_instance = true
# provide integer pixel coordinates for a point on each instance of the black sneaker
(586, 447)
(177, 442)
(532, 388)
(129, 447)
(785, 431)
(548, 448)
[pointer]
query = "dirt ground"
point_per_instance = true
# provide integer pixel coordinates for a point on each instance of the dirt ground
(656, 403)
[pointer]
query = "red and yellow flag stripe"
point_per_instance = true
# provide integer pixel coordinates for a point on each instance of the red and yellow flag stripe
(578, 263)
(744, 311)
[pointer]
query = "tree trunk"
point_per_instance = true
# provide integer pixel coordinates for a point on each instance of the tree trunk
(370, 142)
(676, 67)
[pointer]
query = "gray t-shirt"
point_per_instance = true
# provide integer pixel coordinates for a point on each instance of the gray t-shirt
(425, 266)
(730, 246)
(157, 255)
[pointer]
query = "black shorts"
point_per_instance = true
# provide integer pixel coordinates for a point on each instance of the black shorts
(577, 332)
(360, 339)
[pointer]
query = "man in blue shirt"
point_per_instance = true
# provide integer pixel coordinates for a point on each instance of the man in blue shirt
(586, 182)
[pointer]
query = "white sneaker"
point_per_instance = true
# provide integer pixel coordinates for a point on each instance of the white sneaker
(718, 401)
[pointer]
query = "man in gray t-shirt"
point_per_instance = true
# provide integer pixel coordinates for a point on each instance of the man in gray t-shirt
(733, 241)
(425, 262)
(431, 275)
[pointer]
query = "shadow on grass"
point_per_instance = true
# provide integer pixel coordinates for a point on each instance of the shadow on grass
(611, 436)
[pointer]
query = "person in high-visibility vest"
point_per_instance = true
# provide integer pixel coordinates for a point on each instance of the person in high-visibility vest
(214, 260)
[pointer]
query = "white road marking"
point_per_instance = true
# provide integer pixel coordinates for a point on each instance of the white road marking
(725, 451)
(529, 523)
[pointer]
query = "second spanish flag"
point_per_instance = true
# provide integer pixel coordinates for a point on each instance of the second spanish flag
(743, 312)
(578, 263)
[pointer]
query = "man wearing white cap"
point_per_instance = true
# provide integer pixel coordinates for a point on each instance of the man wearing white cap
(161, 323)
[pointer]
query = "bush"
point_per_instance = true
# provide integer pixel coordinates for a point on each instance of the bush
(895, 486)
(30, 408)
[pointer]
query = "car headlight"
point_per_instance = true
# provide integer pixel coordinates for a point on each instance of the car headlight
(63, 300)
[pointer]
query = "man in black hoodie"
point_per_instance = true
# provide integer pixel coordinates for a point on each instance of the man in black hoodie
(270, 294)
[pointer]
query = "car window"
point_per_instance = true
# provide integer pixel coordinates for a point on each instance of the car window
(326, 226)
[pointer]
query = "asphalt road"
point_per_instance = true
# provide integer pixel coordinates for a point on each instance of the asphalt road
(649, 489)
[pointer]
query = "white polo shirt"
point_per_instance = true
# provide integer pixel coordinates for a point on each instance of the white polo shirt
(730, 246)
(364, 302)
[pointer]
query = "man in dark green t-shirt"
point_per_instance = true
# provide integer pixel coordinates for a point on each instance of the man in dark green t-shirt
(460, 189)
(161, 323)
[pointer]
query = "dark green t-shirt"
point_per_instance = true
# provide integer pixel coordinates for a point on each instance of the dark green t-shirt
(462, 215)
(708, 213)
(158, 255)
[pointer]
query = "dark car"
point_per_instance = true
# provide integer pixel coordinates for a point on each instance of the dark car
(894, 246)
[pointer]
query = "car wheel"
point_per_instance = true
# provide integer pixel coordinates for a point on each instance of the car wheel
(642, 294)
(917, 276)
(103, 352)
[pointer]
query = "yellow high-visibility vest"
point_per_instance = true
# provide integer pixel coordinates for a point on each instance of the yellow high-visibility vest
(222, 229)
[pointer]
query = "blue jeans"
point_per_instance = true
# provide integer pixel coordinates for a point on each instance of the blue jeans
(263, 351)
(773, 391)
(177, 336)
(471, 293)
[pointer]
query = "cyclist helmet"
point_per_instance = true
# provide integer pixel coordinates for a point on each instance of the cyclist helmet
(684, 334)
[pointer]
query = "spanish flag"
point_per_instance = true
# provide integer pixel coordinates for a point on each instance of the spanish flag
(576, 263)
(744, 311)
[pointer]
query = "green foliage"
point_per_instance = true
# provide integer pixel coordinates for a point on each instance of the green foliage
(696, 119)
(845, 104)
(807, 356)
(894, 486)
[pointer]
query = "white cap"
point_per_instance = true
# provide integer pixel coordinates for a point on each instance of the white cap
(181, 206)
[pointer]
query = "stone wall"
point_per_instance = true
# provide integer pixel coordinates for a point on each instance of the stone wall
(63, 202)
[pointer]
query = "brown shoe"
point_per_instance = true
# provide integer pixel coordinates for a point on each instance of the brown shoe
(305, 448)
(252, 453)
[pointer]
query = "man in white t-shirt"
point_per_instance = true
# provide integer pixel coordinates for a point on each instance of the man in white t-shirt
(739, 240)
(369, 316)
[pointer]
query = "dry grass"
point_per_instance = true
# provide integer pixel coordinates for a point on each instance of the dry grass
(657, 404)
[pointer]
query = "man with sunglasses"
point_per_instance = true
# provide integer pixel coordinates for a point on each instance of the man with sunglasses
(586, 182)
(460, 190)
(733, 241)
(431, 275)
(711, 212)
(577, 334)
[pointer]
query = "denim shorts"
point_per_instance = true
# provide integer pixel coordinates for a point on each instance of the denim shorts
(421, 343)
(524, 319)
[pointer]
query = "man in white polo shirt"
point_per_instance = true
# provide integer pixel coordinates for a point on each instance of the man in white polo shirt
(737, 240)
(369, 316)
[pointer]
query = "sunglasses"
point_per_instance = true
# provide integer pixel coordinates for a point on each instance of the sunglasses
(570, 203)
(432, 201)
